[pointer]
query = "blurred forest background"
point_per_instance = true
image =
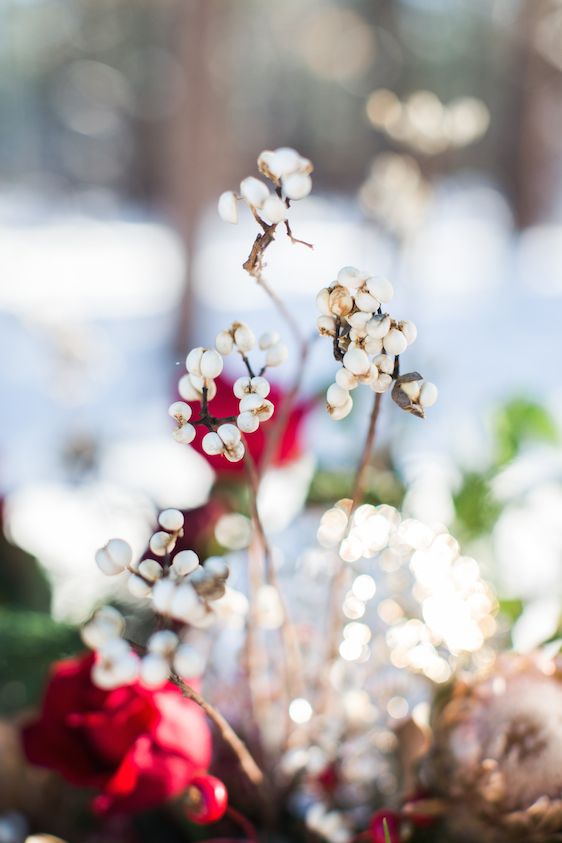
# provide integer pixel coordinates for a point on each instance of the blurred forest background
(434, 127)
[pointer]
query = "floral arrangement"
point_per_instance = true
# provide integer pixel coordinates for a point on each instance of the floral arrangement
(315, 726)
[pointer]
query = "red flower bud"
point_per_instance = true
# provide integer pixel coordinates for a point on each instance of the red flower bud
(377, 827)
(207, 800)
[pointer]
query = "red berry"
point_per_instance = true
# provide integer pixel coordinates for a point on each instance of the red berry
(207, 800)
(377, 827)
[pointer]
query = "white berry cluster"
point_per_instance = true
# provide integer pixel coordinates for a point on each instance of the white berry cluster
(289, 173)
(204, 365)
(367, 341)
(117, 663)
(180, 587)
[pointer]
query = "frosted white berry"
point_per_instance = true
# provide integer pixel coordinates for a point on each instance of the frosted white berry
(244, 338)
(297, 185)
(323, 301)
(188, 662)
(336, 395)
(212, 444)
(154, 670)
(381, 383)
(384, 363)
(351, 277)
(185, 562)
(229, 434)
(227, 207)
(276, 355)
(411, 389)
(340, 301)
(185, 434)
(338, 413)
(258, 406)
(224, 342)
(247, 422)
(274, 209)
(150, 570)
(171, 520)
(409, 330)
(193, 360)
(395, 342)
(357, 361)
(268, 339)
(428, 394)
(326, 326)
(180, 411)
(138, 587)
(254, 191)
(380, 288)
(114, 557)
(346, 379)
(162, 596)
(284, 161)
(185, 603)
(163, 642)
(211, 364)
(379, 325)
(161, 543)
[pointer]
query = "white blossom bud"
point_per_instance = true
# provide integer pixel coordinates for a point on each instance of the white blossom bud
(268, 339)
(185, 562)
(154, 670)
(163, 643)
(247, 422)
(138, 587)
(336, 395)
(409, 330)
(351, 277)
(161, 543)
(244, 338)
(227, 207)
(171, 520)
(114, 557)
(254, 191)
(212, 444)
(274, 209)
(379, 326)
(184, 434)
(428, 394)
(211, 364)
(339, 413)
(346, 379)
(297, 185)
(395, 342)
(185, 603)
(380, 288)
(162, 596)
(188, 663)
(323, 301)
(326, 326)
(224, 342)
(150, 570)
(180, 411)
(357, 361)
(276, 355)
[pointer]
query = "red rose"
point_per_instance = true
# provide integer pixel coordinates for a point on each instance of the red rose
(226, 404)
(139, 746)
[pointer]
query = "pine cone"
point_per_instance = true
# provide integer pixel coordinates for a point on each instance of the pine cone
(496, 755)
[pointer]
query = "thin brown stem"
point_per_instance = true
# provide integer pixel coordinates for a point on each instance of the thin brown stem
(360, 480)
(227, 733)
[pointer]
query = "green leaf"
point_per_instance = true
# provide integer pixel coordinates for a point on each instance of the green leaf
(511, 609)
(518, 421)
(31, 641)
(476, 509)
(386, 831)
